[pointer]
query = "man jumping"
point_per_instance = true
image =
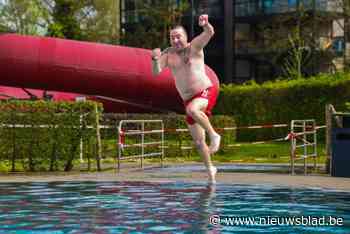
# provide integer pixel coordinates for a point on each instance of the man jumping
(186, 62)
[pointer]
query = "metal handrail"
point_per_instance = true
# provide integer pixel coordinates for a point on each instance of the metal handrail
(121, 140)
(304, 127)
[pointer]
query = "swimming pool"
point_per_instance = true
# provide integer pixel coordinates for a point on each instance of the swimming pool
(145, 207)
(229, 167)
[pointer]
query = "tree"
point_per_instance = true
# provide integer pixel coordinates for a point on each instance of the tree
(21, 16)
(149, 23)
(89, 20)
(64, 22)
(296, 57)
(100, 21)
(4, 29)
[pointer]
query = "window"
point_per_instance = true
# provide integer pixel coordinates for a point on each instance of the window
(129, 11)
(338, 45)
(243, 69)
(245, 7)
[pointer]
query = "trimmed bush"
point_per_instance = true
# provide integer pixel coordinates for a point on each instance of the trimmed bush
(282, 101)
(40, 135)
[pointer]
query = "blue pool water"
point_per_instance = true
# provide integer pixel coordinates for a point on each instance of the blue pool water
(140, 207)
(241, 167)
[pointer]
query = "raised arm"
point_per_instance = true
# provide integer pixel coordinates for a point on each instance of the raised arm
(200, 41)
(159, 61)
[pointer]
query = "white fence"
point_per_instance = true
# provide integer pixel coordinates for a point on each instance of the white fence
(303, 137)
(135, 128)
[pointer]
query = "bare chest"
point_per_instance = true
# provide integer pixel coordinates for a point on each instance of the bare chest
(179, 60)
(185, 62)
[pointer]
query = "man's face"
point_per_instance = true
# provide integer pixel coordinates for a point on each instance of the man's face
(178, 38)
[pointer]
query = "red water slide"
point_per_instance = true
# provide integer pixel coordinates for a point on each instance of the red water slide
(117, 75)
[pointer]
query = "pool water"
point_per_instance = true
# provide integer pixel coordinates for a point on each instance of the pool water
(278, 168)
(143, 207)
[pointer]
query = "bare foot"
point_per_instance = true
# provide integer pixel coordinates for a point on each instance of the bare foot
(211, 173)
(214, 143)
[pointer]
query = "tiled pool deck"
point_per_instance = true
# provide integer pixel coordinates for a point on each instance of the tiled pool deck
(186, 172)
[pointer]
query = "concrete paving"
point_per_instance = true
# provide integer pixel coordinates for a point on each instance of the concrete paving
(194, 173)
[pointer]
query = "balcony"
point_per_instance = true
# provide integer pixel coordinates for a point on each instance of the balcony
(246, 8)
(335, 46)
(250, 47)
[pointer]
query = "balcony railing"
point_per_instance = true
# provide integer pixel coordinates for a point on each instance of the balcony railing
(245, 8)
(252, 47)
(266, 46)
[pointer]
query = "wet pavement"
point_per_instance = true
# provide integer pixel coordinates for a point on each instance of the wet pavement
(252, 174)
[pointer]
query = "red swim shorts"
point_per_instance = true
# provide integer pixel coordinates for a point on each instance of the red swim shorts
(211, 94)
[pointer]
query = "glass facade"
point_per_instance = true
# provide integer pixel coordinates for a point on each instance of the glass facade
(132, 15)
(244, 8)
(249, 50)
(254, 51)
(131, 10)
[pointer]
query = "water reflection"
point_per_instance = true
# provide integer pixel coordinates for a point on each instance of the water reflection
(140, 207)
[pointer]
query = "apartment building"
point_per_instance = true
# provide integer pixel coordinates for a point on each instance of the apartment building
(251, 34)
(263, 27)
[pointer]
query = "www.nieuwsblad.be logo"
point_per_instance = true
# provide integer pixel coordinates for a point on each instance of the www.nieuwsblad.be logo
(217, 220)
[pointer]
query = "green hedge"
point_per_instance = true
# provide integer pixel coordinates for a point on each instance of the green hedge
(40, 135)
(282, 101)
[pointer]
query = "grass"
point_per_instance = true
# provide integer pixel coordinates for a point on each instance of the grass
(242, 152)
(247, 153)
(239, 152)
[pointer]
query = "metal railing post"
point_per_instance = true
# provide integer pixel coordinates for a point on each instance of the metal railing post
(119, 144)
(292, 150)
(301, 130)
(142, 142)
(162, 145)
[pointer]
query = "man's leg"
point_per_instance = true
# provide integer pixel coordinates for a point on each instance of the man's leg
(195, 110)
(198, 135)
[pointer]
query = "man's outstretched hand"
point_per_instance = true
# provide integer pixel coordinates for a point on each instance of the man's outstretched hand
(156, 53)
(203, 20)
